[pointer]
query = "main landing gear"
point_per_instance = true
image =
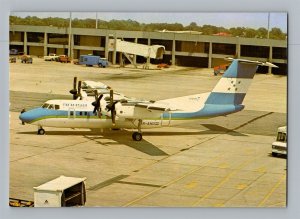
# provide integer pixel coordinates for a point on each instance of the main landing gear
(137, 136)
(41, 131)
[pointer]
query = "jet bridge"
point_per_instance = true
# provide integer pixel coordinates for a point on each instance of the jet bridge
(129, 49)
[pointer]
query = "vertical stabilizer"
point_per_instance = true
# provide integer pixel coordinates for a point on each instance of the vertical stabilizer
(233, 86)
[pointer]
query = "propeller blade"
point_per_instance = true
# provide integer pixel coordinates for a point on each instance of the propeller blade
(113, 117)
(95, 107)
(111, 100)
(111, 106)
(99, 99)
(113, 112)
(74, 83)
(96, 104)
(111, 95)
(96, 95)
(79, 90)
(74, 90)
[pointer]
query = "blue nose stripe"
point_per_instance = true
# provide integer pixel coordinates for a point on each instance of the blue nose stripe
(31, 115)
(39, 113)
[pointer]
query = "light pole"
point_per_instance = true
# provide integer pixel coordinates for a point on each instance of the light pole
(268, 25)
(96, 20)
(70, 32)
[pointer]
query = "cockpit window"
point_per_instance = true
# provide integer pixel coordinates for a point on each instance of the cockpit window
(50, 106)
(45, 105)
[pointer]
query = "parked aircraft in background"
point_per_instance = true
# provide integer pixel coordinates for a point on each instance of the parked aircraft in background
(96, 105)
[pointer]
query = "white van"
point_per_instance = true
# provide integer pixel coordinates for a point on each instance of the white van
(279, 146)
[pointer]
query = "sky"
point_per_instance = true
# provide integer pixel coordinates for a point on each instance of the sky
(227, 20)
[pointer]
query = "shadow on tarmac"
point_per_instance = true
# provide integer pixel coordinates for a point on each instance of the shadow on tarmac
(124, 137)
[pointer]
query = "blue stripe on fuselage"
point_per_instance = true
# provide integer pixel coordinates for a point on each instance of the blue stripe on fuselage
(40, 112)
(209, 110)
(225, 98)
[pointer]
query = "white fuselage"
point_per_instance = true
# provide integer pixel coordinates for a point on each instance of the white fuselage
(79, 114)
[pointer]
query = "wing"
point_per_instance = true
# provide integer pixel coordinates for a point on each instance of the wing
(142, 109)
(123, 106)
(89, 87)
(153, 106)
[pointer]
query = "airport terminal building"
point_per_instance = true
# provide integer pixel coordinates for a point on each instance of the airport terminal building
(181, 48)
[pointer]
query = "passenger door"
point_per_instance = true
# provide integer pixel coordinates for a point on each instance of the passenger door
(166, 119)
(71, 113)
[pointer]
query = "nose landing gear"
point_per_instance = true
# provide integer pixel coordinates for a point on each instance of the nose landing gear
(41, 131)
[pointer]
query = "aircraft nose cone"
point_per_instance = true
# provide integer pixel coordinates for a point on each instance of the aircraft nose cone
(33, 115)
(29, 116)
(25, 117)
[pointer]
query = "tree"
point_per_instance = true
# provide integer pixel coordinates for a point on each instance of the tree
(250, 33)
(277, 34)
(192, 26)
(262, 32)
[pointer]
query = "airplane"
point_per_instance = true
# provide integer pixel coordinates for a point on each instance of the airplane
(96, 106)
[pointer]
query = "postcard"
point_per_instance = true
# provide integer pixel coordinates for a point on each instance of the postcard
(148, 109)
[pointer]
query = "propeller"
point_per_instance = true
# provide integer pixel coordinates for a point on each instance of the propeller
(74, 90)
(112, 106)
(23, 111)
(79, 90)
(96, 103)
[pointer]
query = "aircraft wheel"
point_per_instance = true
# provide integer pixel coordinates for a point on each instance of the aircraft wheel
(274, 154)
(137, 136)
(41, 131)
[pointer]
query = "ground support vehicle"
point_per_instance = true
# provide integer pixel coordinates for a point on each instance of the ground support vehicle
(64, 59)
(279, 147)
(220, 69)
(51, 57)
(12, 59)
(90, 60)
(26, 59)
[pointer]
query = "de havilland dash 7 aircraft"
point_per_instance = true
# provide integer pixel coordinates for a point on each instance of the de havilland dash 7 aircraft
(96, 106)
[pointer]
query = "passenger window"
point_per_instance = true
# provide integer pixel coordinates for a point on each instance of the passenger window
(57, 107)
(50, 106)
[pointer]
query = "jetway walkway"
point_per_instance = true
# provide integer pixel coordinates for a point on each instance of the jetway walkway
(129, 49)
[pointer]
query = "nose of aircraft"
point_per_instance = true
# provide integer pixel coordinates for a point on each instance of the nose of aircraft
(24, 117)
(28, 116)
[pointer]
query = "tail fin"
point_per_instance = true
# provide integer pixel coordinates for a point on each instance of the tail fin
(233, 86)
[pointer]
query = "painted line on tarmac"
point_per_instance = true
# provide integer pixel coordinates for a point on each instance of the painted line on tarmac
(272, 190)
(225, 179)
(171, 182)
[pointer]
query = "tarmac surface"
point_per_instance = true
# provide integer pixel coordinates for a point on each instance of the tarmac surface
(219, 162)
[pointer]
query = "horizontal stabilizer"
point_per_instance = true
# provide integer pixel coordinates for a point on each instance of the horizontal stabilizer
(269, 64)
